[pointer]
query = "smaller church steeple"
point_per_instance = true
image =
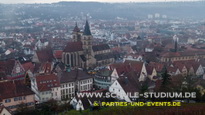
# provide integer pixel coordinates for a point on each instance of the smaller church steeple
(76, 33)
(76, 29)
(87, 29)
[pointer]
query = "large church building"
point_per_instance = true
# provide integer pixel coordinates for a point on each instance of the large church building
(82, 53)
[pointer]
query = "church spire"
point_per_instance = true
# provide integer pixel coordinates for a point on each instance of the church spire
(87, 29)
(76, 29)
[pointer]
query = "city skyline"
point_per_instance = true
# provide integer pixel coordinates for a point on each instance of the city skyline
(110, 1)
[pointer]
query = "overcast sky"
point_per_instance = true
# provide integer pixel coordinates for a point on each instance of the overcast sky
(51, 1)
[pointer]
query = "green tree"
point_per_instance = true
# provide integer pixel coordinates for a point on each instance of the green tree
(166, 80)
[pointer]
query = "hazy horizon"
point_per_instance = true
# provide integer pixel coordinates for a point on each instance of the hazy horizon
(110, 1)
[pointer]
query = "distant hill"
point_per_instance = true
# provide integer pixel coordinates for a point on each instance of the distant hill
(97, 10)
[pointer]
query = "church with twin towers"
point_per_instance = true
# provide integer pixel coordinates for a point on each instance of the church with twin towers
(82, 53)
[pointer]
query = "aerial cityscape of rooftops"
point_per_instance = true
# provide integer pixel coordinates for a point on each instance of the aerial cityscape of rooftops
(74, 58)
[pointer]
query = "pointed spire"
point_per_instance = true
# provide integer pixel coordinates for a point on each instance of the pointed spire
(76, 29)
(87, 29)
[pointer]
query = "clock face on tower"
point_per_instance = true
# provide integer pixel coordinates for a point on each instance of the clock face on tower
(18, 70)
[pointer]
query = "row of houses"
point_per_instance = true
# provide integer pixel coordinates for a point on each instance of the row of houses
(15, 93)
(129, 76)
(58, 81)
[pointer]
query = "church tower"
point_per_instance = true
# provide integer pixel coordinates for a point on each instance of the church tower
(76, 33)
(87, 40)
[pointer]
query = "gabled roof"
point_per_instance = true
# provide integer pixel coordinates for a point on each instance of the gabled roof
(104, 56)
(128, 84)
(158, 66)
(133, 75)
(136, 65)
(87, 29)
(61, 65)
(58, 54)
(2, 107)
(46, 67)
(28, 66)
(187, 63)
(36, 67)
(185, 53)
(7, 66)
(149, 69)
(73, 75)
(172, 69)
(127, 66)
(121, 68)
(100, 47)
(16, 88)
(73, 47)
(45, 55)
(46, 82)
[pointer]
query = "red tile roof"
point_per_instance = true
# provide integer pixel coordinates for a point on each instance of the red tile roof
(58, 54)
(127, 66)
(187, 63)
(185, 53)
(157, 66)
(7, 66)
(28, 66)
(45, 55)
(149, 69)
(73, 47)
(172, 69)
(46, 67)
(133, 55)
(135, 65)
(10, 89)
(46, 82)
(129, 84)
(74, 75)
(117, 49)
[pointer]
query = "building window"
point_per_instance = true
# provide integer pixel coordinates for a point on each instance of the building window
(15, 98)
(7, 100)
